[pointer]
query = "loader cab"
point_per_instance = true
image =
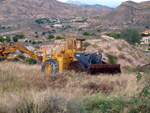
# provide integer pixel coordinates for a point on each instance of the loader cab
(74, 45)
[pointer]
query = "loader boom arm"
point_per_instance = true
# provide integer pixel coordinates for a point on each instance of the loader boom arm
(25, 50)
(13, 47)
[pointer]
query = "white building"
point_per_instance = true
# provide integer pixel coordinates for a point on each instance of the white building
(58, 25)
(145, 40)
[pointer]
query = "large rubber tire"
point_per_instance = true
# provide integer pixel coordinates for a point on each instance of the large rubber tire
(76, 66)
(53, 64)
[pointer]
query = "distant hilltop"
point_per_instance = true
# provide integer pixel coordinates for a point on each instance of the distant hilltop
(129, 14)
(96, 6)
(30, 9)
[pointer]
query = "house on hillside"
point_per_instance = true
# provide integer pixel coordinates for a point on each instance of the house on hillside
(58, 26)
(146, 32)
(4, 37)
(145, 40)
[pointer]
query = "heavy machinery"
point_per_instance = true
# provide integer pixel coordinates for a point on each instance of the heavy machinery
(5, 50)
(74, 58)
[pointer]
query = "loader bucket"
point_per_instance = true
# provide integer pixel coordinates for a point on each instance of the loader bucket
(103, 68)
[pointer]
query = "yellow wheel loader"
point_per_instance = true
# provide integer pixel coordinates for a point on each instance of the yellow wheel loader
(74, 58)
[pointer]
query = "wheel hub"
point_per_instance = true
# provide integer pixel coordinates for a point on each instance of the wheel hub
(48, 69)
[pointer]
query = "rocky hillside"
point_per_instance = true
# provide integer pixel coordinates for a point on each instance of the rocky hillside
(30, 9)
(129, 14)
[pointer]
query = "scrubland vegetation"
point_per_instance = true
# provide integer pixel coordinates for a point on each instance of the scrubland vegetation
(25, 89)
(130, 35)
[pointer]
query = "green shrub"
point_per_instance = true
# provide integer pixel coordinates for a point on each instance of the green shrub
(148, 48)
(147, 27)
(86, 33)
(7, 39)
(9, 27)
(141, 103)
(50, 36)
(26, 41)
(52, 25)
(30, 41)
(59, 38)
(43, 33)
(98, 30)
(39, 21)
(39, 42)
(111, 59)
(93, 34)
(103, 39)
(119, 48)
(100, 50)
(114, 35)
(86, 44)
(15, 39)
(122, 56)
(1, 39)
(101, 104)
(131, 36)
(30, 61)
(33, 42)
(95, 46)
(21, 36)
(36, 36)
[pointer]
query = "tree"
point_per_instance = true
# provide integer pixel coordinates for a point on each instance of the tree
(59, 38)
(50, 36)
(114, 35)
(98, 30)
(36, 36)
(33, 42)
(1, 39)
(86, 33)
(146, 27)
(43, 33)
(7, 39)
(15, 39)
(21, 36)
(131, 36)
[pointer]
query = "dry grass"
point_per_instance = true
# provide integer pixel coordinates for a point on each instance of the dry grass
(24, 86)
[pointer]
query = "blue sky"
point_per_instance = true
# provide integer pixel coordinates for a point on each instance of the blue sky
(110, 3)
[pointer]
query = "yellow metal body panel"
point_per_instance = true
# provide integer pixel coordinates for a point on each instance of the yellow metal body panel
(63, 61)
(66, 56)
(53, 54)
(44, 57)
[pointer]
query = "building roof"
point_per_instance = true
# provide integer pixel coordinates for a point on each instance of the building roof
(146, 32)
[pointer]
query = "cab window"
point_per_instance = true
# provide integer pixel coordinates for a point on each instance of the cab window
(75, 45)
(78, 45)
(69, 44)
